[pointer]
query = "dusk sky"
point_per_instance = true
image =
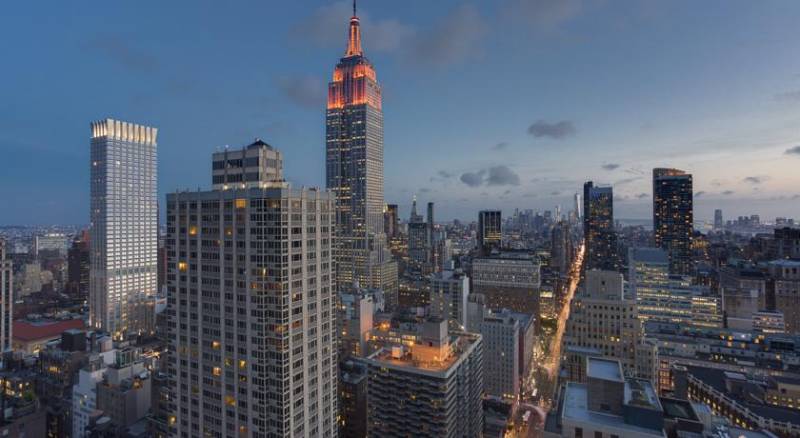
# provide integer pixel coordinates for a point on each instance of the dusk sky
(500, 104)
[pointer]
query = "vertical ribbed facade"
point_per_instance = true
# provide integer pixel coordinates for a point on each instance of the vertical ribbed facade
(673, 217)
(123, 226)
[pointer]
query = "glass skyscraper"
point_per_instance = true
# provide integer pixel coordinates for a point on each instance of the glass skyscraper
(124, 226)
(673, 217)
(490, 231)
(598, 228)
(354, 164)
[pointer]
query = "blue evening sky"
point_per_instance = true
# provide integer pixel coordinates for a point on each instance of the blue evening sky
(501, 104)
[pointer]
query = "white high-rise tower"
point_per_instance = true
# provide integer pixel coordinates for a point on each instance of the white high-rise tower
(123, 227)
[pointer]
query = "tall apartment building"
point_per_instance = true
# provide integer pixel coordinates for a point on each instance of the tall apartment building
(123, 226)
(490, 231)
(673, 217)
(55, 243)
(501, 346)
(719, 222)
(603, 323)
(663, 297)
(785, 284)
(251, 302)
(418, 244)
(787, 243)
(6, 299)
(430, 389)
(78, 265)
(391, 221)
(508, 280)
(354, 171)
(598, 228)
(449, 293)
(743, 290)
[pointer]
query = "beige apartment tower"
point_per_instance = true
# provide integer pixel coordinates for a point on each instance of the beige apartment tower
(251, 307)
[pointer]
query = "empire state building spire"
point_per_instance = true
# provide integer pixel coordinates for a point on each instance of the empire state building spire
(354, 41)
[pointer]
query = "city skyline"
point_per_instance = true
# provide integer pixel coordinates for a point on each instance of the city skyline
(566, 108)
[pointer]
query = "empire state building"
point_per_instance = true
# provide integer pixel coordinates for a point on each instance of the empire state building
(354, 164)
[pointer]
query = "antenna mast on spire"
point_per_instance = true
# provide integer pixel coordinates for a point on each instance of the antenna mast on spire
(354, 8)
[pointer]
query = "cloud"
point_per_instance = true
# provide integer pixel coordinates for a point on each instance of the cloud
(473, 179)
(444, 174)
(728, 192)
(755, 179)
(789, 96)
(493, 176)
(793, 151)
(529, 195)
(555, 130)
(624, 181)
(121, 52)
(502, 176)
(555, 193)
(424, 190)
(610, 166)
(327, 27)
(699, 194)
(305, 91)
(452, 40)
(500, 146)
(642, 195)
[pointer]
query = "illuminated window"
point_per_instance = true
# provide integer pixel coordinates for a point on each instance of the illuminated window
(182, 266)
(241, 203)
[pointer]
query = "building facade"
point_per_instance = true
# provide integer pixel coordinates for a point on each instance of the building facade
(449, 293)
(123, 225)
(673, 217)
(603, 323)
(508, 281)
(663, 297)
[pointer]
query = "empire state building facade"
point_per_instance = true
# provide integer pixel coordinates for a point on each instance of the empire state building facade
(354, 158)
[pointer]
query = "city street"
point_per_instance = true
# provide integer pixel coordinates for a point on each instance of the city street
(539, 387)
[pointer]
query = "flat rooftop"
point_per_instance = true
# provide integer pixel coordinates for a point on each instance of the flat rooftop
(604, 369)
(460, 345)
(576, 409)
(640, 393)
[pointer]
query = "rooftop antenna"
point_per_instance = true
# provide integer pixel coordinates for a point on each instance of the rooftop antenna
(354, 8)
